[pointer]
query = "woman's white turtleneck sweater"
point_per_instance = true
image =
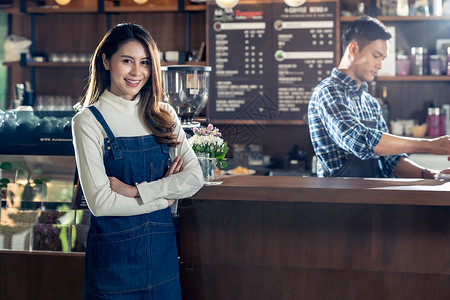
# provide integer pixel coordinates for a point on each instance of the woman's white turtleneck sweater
(123, 118)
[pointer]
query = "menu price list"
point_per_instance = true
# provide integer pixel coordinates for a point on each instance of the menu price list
(267, 58)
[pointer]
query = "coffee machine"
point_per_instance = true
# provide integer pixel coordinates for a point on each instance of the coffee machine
(186, 89)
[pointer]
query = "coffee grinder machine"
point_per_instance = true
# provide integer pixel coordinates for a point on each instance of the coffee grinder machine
(186, 89)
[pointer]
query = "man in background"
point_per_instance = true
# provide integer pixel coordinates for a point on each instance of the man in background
(348, 132)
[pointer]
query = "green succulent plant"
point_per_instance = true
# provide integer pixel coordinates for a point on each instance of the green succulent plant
(7, 166)
(40, 181)
(35, 185)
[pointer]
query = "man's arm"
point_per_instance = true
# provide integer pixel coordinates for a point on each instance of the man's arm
(391, 144)
(406, 168)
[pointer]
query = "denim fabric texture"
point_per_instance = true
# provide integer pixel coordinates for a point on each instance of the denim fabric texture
(132, 257)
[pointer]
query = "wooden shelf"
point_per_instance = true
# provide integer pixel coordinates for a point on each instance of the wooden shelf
(11, 63)
(57, 64)
(400, 19)
(11, 10)
(195, 7)
(414, 78)
(196, 63)
(59, 10)
(258, 122)
(190, 63)
(137, 9)
(86, 64)
(48, 64)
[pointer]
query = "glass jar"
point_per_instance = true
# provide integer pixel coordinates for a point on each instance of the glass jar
(435, 65)
(435, 122)
(448, 61)
(418, 60)
(402, 65)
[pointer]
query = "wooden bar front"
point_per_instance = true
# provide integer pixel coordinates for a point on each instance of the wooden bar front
(316, 238)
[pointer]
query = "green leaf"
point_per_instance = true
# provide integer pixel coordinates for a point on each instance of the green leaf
(7, 166)
(4, 182)
(36, 171)
(19, 165)
(22, 173)
(41, 180)
(221, 156)
(222, 164)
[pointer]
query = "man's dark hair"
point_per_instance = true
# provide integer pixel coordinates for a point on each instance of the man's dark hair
(364, 31)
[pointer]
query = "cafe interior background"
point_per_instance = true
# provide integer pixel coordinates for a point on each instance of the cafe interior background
(260, 109)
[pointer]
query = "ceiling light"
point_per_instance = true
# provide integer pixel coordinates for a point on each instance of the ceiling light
(294, 3)
(227, 3)
(62, 2)
(140, 1)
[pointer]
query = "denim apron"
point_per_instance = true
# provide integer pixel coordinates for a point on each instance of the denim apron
(133, 257)
(355, 167)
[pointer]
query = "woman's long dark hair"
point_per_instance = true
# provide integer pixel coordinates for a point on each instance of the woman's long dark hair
(159, 121)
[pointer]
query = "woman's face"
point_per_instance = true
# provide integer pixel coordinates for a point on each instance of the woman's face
(129, 69)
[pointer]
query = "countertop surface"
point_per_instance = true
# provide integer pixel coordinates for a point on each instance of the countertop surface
(329, 190)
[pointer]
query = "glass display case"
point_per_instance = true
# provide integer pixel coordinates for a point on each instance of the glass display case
(30, 132)
(36, 210)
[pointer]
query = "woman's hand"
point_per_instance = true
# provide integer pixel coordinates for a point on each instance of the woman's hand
(123, 188)
(132, 191)
(175, 167)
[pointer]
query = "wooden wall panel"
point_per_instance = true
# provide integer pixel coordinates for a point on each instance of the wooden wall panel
(69, 33)
(276, 250)
(410, 100)
(41, 276)
(61, 81)
(167, 28)
(198, 30)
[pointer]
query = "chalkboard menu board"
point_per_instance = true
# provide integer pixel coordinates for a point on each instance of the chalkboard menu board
(267, 58)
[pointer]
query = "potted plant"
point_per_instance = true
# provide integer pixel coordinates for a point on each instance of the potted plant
(35, 186)
(7, 166)
(210, 149)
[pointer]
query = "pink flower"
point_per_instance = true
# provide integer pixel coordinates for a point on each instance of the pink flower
(209, 128)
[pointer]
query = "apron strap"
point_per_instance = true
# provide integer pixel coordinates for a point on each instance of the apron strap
(111, 140)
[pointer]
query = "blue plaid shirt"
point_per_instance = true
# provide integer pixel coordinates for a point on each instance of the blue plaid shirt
(335, 112)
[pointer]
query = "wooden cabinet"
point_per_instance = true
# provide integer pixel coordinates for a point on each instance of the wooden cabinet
(77, 29)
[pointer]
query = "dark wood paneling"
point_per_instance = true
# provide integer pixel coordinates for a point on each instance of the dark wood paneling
(226, 282)
(167, 28)
(54, 81)
(41, 276)
(198, 30)
(69, 33)
(410, 100)
(276, 250)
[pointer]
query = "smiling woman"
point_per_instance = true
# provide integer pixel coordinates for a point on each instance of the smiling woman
(124, 139)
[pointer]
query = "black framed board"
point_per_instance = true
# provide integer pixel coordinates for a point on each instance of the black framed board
(266, 59)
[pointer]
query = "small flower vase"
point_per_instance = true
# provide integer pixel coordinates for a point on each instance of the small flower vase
(207, 164)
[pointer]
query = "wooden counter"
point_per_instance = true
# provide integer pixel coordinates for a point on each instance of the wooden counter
(316, 238)
(329, 190)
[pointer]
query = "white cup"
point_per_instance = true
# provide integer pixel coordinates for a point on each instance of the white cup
(171, 56)
(397, 127)
(407, 125)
